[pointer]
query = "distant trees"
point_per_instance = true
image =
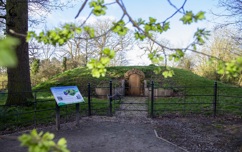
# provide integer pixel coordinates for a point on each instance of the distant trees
(224, 48)
(77, 51)
(47, 69)
(80, 49)
(44, 61)
(187, 62)
(232, 13)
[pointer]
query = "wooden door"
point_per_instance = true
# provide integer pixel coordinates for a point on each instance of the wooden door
(134, 84)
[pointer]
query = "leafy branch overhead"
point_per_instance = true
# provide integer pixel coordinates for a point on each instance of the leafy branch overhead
(98, 67)
(189, 17)
(143, 30)
(58, 36)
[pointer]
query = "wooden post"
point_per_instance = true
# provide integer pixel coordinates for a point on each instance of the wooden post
(89, 100)
(77, 114)
(110, 98)
(57, 114)
(152, 100)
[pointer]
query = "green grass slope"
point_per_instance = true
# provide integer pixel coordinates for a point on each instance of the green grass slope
(82, 76)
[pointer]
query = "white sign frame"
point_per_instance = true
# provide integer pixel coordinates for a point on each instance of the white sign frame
(65, 95)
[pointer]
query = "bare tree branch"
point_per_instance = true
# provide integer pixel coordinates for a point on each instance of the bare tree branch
(177, 10)
(232, 13)
(82, 7)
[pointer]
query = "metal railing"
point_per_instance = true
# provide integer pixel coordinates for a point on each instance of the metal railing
(214, 100)
(36, 112)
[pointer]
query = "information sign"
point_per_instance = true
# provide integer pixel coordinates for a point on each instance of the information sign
(66, 95)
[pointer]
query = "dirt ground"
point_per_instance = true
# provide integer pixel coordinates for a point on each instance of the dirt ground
(168, 134)
(222, 134)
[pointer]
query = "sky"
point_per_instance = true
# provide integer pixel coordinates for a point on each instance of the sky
(179, 35)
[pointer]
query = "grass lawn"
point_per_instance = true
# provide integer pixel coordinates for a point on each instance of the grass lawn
(201, 100)
(43, 111)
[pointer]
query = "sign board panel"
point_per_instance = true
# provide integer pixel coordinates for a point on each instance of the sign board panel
(66, 95)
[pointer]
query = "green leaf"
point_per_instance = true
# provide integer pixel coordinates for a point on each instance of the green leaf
(200, 15)
(8, 57)
(140, 21)
(139, 36)
(150, 56)
(42, 142)
(106, 51)
(147, 27)
(90, 31)
(109, 53)
(78, 30)
(152, 20)
(112, 54)
(187, 18)
(200, 35)
(166, 26)
(98, 7)
(168, 73)
(30, 35)
(120, 28)
(90, 65)
(95, 73)
(179, 53)
(61, 41)
(158, 70)
(62, 142)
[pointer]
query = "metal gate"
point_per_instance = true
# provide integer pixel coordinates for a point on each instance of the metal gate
(133, 103)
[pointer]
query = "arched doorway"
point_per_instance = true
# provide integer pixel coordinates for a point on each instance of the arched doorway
(134, 82)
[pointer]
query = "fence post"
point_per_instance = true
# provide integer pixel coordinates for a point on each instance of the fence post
(35, 109)
(77, 114)
(215, 99)
(57, 114)
(110, 97)
(152, 100)
(89, 100)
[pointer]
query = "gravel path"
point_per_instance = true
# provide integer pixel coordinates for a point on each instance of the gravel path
(102, 134)
(133, 107)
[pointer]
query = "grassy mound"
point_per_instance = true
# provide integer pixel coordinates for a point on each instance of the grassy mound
(82, 76)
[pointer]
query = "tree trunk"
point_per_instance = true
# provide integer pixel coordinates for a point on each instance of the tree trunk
(19, 84)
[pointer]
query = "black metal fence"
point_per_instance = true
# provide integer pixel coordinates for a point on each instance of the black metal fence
(36, 112)
(184, 100)
(41, 110)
